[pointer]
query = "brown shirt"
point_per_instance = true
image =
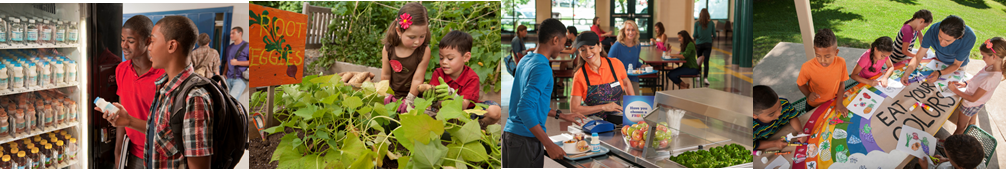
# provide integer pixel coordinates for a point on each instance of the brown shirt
(205, 60)
(401, 82)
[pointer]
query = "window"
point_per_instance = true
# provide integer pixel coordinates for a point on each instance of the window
(576, 13)
(518, 12)
(718, 9)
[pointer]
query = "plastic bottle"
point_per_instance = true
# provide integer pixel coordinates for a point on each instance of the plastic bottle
(57, 77)
(3, 28)
(4, 78)
(16, 30)
(71, 33)
(31, 74)
(46, 75)
(105, 105)
(72, 149)
(595, 143)
(71, 71)
(45, 29)
(18, 76)
(31, 36)
(60, 32)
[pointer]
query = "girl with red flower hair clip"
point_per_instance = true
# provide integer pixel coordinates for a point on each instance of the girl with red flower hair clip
(980, 87)
(406, 53)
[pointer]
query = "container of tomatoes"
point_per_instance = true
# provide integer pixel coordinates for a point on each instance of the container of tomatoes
(635, 135)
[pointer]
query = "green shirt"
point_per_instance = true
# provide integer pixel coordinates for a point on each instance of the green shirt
(689, 53)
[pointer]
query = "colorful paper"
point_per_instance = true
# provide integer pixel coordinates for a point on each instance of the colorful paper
(865, 103)
(916, 142)
(635, 107)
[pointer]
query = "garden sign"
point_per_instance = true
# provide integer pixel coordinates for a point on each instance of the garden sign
(277, 50)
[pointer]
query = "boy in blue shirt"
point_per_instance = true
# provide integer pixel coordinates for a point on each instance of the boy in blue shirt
(524, 135)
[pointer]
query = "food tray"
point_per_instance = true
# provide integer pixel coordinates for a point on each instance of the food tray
(604, 150)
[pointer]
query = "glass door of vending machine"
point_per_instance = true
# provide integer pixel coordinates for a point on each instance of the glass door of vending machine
(42, 46)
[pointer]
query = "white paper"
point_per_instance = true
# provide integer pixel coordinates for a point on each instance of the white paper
(944, 83)
(916, 142)
(893, 88)
(865, 103)
(779, 162)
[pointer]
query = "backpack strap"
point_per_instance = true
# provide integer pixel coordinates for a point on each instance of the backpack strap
(178, 106)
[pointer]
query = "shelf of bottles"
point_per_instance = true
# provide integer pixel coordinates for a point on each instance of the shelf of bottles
(41, 46)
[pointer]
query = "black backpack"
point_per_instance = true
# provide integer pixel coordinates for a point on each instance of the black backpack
(230, 121)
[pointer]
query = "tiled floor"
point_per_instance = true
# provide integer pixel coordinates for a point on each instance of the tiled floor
(721, 77)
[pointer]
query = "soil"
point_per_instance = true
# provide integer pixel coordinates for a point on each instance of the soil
(261, 151)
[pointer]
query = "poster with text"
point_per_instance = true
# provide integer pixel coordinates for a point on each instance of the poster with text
(634, 108)
(277, 41)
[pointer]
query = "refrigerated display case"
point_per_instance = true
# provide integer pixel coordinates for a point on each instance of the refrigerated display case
(42, 60)
(699, 119)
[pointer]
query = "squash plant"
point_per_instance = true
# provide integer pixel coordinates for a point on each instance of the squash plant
(337, 126)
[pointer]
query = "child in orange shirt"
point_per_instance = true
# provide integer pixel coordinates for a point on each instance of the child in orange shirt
(823, 78)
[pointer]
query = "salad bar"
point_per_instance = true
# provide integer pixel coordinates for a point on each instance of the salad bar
(699, 137)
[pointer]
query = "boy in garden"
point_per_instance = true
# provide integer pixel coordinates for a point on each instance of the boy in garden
(823, 78)
(771, 114)
(455, 51)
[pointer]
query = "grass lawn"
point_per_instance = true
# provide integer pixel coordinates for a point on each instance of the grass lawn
(858, 22)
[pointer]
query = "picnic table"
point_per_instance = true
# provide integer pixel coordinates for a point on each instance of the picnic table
(861, 138)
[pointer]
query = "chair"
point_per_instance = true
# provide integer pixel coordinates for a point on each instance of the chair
(561, 75)
(652, 81)
(988, 141)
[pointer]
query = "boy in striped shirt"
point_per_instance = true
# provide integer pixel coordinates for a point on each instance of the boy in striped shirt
(771, 114)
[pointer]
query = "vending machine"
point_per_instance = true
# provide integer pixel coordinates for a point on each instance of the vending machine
(43, 47)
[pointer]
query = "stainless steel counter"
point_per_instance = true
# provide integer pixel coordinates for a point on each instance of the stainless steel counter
(713, 118)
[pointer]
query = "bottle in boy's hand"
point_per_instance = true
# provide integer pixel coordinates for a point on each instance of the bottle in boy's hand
(105, 106)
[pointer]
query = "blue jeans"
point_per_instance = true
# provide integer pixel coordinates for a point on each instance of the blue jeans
(675, 74)
(237, 86)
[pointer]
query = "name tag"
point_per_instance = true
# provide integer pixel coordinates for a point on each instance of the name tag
(615, 84)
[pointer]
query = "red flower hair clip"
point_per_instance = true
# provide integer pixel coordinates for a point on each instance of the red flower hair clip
(405, 20)
(988, 44)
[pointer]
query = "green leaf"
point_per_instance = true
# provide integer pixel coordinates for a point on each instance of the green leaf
(421, 127)
(381, 147)
(474, 151)
(450, 109)
(330, 99)
(421, 105)
(297, 142)
(403, 162)
(495, 130)
(467, 133)
(352, 102)
(274, 129)
(352, 147)
(428, 155)
(364, 161)
(400, 135)
(307, 113)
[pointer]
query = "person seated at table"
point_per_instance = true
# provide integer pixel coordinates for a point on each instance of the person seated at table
(599, 83)
(964, 151)
(982, 85)
(568, 50)
(823, 78)
(691, 66)
(660, 39)
(606, 41)
(952, 42)
(873, 61)
(627, 50)
(771, 114)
